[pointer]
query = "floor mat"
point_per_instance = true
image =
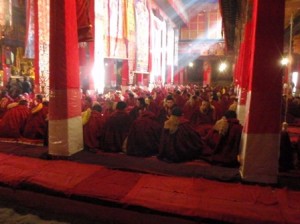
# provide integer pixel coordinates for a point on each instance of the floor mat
(212, 200)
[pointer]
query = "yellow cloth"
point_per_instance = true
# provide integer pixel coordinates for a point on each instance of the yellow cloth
(37, 108)
(11, 105)
(172, 124)
(86, 116)
(222, 126)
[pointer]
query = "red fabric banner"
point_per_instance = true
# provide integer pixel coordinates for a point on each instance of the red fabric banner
(84, 25)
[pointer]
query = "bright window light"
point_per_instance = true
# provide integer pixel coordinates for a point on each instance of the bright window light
(222, 67)
(284, 61)
(295, 76)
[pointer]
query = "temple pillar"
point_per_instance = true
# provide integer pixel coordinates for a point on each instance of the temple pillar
(169, 74)
(125, 73)
(176, 79)
(111, 75)
(65, 123)
(36, 89)
(139, 79)
(244, 70)
(261, 134)
(206, 73)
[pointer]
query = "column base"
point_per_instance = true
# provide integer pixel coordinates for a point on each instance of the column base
(259, 158)
(65, 136)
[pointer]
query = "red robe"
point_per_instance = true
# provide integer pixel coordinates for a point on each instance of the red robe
(144, 136)
(92, 130)
(37, 124)
(115, 130)
(183, 145)
(203, 122)
(228, 146)
(13, 122)
(4, 101)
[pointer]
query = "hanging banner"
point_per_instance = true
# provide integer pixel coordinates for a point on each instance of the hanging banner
(170, 54)
(29, 41)
(156, 45)
(142, 36)
(164, 52)
(84, 25)
(130, 35)
(5, 13)
(44, 41)
(103, 20)
(117, 46)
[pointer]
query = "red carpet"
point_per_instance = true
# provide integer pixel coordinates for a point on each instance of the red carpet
(221, 201)
(190, 197)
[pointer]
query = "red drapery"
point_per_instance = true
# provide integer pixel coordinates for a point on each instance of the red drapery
(84, 24)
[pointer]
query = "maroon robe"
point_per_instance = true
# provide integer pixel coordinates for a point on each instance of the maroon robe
(203, 122)
(228, 146)
(164, 114)
(189, 109)
(153, 107)
(219, 110)
(4, 101)
(92, 130)
(286, 152)
(37, 125)
(183, 145)
(13, 122)
(115, 130)
(144, 136)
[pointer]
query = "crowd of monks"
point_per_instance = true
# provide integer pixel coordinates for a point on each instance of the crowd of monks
(23, 116)
(174, 123)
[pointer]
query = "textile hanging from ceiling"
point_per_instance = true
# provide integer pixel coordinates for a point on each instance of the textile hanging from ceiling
(43, 44)
(84, 25)
(170, 53)
(156, 45)
(142, 34)
(29, 40)
(130, 35)
(117, 46)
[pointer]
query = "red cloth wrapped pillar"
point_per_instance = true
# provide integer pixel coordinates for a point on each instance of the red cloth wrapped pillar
(65, 123)
(169, 74)
(125, 73)
(91, 45)
(139, 79)
(111, 76)
(261, 134)
(36, 49)
(206, 73)
(177, 75)
(243, 71)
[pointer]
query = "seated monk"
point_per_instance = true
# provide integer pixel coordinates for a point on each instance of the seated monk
(190, 107)
(286, 150)
(92, 121)
(115, 129)
(203, 118)
(140, 106)
(37, 123)
(13, 122)
(179, 142)
(166, 110)
(5, 100)
(144, 136)
(224, 140)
